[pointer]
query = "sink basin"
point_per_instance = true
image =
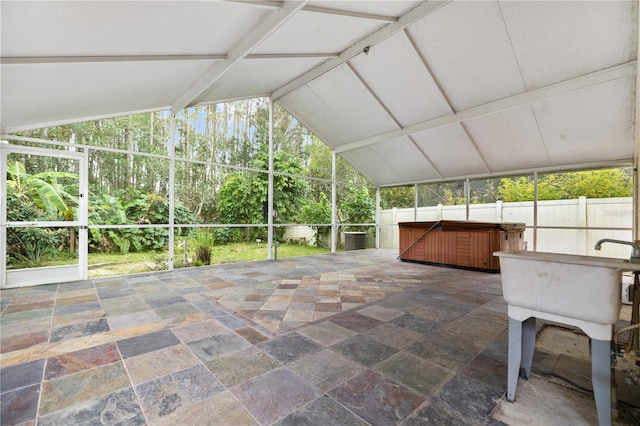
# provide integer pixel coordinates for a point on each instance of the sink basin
(582, 288)
(582, 291)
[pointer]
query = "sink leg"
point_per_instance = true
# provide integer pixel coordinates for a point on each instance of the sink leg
(515, 357)
(528, 346)
(601, 379)
(522, 343)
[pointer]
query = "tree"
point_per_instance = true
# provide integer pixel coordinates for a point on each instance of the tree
(243, 197)
(318, 212)
(398, 196)
(357, 207)
(605, 183)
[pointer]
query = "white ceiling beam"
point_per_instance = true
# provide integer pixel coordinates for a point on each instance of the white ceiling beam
(317, 9)
(557, 89)
(267, 26)
(18, 60)
(350, 14)
(383, 33)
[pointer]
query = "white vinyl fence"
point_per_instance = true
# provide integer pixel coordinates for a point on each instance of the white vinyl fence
(596, 218)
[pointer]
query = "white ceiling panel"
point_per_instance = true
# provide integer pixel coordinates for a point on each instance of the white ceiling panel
(359, 114)
(592, 125)
(407, 91)
(451, 151)
(314, 112)
(558, 40)
(508, 135)
(49, 92)
(244, 82)
(406, 158)
(310, 32)
(468, 50)
(99, 28)
(368, 162)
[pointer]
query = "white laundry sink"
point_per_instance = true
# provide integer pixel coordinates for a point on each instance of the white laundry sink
(582, 291)
(582, 288)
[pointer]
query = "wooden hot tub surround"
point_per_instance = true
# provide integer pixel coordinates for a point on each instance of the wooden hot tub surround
(461, 244)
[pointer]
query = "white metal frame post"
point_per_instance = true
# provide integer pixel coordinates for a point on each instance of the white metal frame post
(334, 206)
(83, 216)
(172, 192)
(415, 202)
(467, 195)
(535, 211)
(270, 212)
(377, 230)
(636, 157)
(3, 219)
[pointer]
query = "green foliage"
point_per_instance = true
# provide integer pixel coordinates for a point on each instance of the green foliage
(243, 197)
(516, 189)
(606, 183)
(318, 212)
(357, 207)
(204, 242)
(37, 197)
(399, 196)
(49, 195)
(132, 206)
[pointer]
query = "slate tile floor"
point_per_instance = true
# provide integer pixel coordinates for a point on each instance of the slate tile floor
(354, 338)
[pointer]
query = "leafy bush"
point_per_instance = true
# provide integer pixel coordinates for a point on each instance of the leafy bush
(30, 244)
(358, 207)
(319, 212)
(133, 206)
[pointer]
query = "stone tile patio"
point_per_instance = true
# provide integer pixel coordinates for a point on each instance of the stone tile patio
(353, 338)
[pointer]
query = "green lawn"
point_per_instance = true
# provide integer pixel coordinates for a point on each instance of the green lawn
(107, 264)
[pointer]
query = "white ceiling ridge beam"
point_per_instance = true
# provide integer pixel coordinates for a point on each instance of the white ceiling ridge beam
(443, 97)
(392, 117)
(260, 32)
(318, 9)
(625, 162)
(18, 60)
(575, 84)
(415, 14)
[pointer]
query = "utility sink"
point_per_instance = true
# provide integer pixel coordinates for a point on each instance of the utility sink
(582, 291)
(579, 288)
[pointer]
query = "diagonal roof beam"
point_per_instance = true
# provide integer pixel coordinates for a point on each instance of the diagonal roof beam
(277, 4)
(18, 60)
(267, 26)
(383, 33)
(561, 88)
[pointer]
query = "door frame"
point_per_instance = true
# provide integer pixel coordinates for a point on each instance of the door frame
(51, 274)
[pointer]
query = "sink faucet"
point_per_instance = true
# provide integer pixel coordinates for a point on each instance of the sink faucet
(635, 254)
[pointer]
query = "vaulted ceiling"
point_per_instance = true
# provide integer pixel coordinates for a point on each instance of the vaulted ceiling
(406, 91)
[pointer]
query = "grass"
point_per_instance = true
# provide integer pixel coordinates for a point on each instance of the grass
(109, 264)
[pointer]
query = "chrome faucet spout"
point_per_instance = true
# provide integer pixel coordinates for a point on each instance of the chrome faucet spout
(635, 253)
